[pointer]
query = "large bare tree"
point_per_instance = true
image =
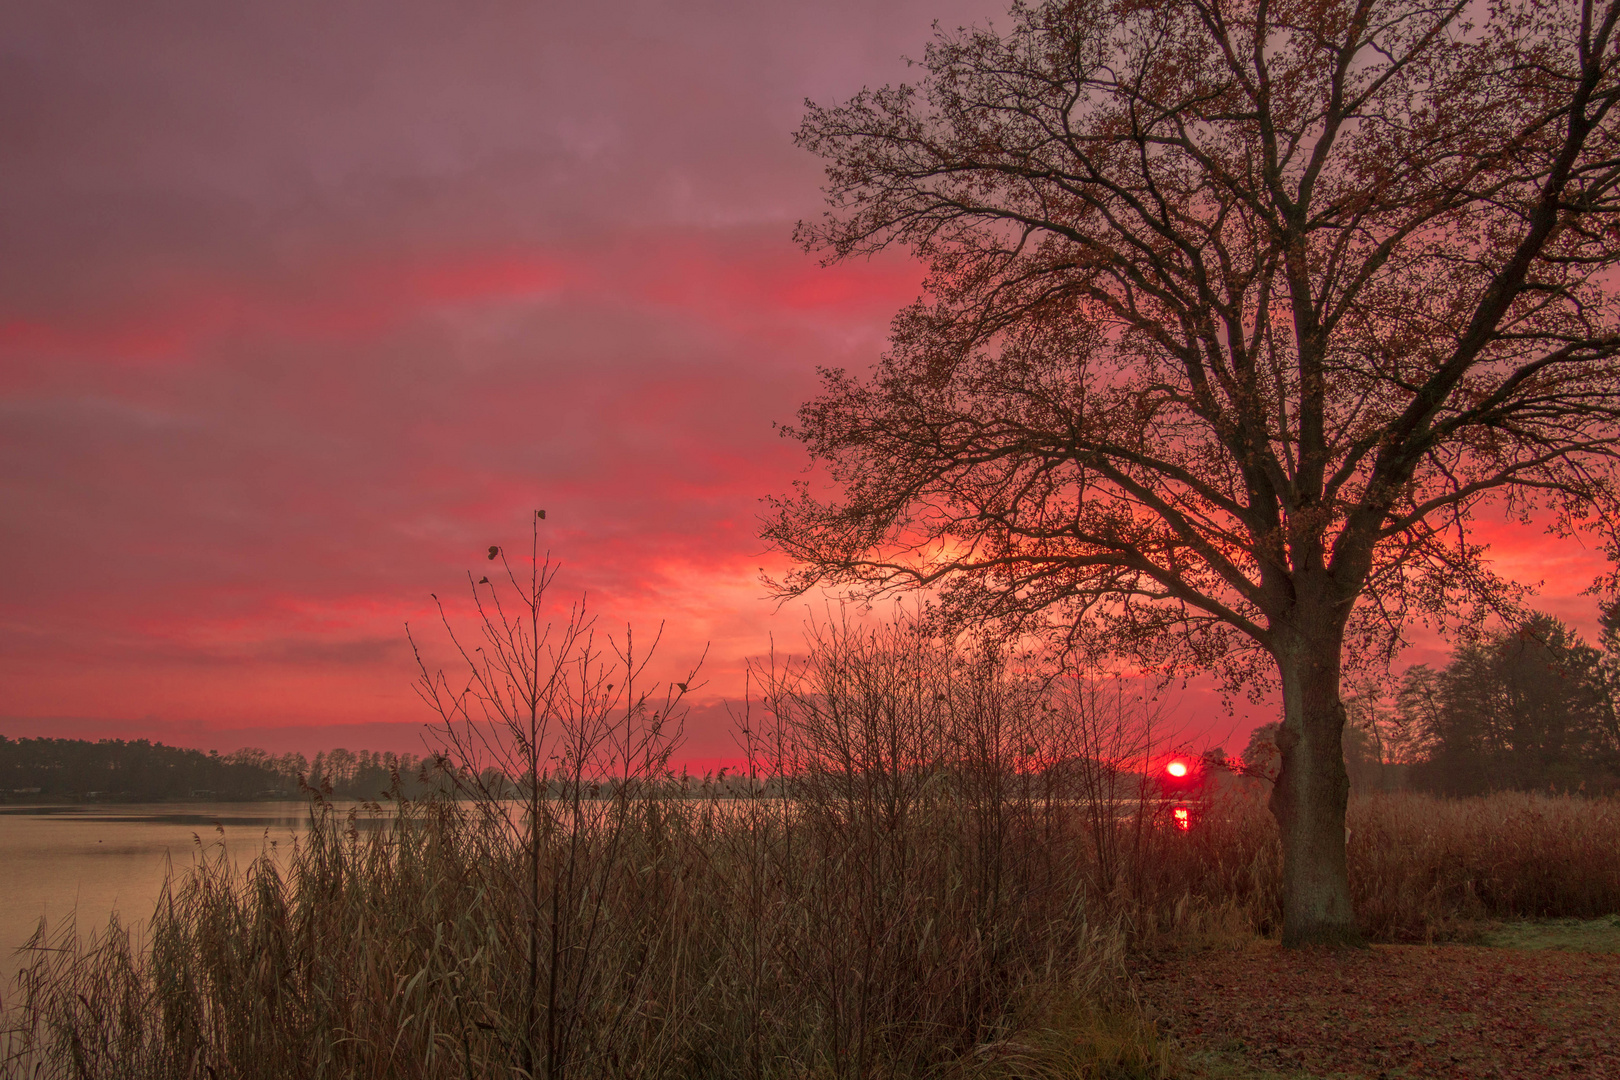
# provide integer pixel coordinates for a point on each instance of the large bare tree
(1238, 310)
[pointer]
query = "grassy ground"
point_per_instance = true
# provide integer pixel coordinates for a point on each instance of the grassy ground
(1568, 935)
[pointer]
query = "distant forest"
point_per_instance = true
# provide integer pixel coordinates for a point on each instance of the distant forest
(143, 771)
(1530, 707)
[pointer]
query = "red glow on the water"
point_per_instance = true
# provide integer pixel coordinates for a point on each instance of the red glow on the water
(1183, 818)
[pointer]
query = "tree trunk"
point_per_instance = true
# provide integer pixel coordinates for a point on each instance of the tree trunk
(1312, 791)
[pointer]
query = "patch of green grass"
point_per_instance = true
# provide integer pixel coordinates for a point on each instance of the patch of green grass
(1570, 935)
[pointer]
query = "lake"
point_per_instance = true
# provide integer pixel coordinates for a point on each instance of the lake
(90, 860)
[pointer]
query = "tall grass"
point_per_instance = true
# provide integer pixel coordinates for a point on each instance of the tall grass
(1424, 867)
(731, 940)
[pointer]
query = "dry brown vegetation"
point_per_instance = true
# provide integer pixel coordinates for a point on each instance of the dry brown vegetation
(1422, 868)
(938, 867)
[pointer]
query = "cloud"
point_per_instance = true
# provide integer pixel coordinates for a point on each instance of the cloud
(265, 480)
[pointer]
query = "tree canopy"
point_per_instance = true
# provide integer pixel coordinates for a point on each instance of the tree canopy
(1222, 295)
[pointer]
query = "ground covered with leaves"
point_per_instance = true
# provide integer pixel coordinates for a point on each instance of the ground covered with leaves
(1541, 1000)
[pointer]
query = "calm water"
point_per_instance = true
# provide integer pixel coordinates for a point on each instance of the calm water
(89, 861)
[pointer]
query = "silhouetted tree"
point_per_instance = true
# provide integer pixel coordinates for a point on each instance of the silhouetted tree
(1238, 310)
(1523, 708)
(1261, 756)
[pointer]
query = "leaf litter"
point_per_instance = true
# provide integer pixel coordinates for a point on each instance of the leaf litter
(1397, 1011)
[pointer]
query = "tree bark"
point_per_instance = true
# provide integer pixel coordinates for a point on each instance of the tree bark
(1313, 789)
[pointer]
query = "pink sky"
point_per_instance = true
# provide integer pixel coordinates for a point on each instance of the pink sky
(304, 305)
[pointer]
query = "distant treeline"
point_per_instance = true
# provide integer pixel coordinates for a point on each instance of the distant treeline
(113, 770)
(1530, 707)
(141, 771)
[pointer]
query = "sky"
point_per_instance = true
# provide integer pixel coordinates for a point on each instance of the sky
(304, 305)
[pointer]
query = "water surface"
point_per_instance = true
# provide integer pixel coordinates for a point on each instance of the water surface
(90, 860)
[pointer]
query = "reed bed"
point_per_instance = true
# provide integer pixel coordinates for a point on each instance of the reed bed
(1424, 868)
(721, 940)
(748, 937)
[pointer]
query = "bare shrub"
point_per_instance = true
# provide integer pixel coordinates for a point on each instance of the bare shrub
(557, 747)
(941, 869)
